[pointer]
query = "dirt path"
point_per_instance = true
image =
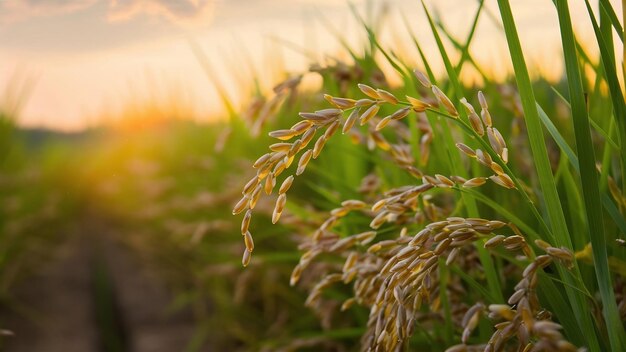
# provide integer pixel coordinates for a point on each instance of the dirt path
(95, 295)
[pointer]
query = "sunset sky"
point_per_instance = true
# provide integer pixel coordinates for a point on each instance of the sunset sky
(87, 58)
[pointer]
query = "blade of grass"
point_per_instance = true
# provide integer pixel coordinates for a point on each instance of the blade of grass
(589, 180)
(617, 98)
(606, 6)
(560, 232)
(607, 203)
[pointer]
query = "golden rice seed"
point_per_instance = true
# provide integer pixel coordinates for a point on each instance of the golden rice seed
(452, 256)
(353, 204)
(283, 135)
(262, 160)
(280, 202)
(347, 126)
(483, 158)
(445, 101)
(444, 180)
(302, 126)
(486, 116)
(379, 205)
(241, 205)
(280, 147)
(254, 181)
(529, 270)
(477, 125)
(276, 215)
(380, 141)
(400, 114)
(493, 141)
(543, 260)
(313, 117)
(342, 244)
(382, 123)
(387, 96)
(442, 246)
(307, 137)
(542, 244)
(495, 167)
(295, 148)
(494, 241)
(279, 168)
(499, 137)
(467, 150)
(303, 162)
(482, 100)
(329, 113)
(329, 223)
(369, 91)
(254, 198)
(513, 240)
(331, 129)
(284, 187)
(468, 107)
(475, 182)
(505, 155)
(472, 313)
(417, 105)
(245, 222)
(270, 182)
(245, 260)
(364, 102)
(496, 224)
(515, 297)
(379, 220)
(415, 172)
(276, 156)
(295, 275)
(247, 238)
(560, 253)
(319, 145)
(350, 261)
(422, 78)
(430, 262)
(347, 304)
(458, 179)
(502, 310)
(381, 338)
(427, 179)
(506, 180)
(366, 237)
(288, 160)
(374, 248)
(368, 114)
(349, 276)
(341, 103)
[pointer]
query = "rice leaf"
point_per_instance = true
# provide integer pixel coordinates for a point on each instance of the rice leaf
(589, 179)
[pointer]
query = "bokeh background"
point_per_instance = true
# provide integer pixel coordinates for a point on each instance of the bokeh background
(128, 127)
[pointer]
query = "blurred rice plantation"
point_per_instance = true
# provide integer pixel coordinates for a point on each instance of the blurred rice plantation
(427, 214)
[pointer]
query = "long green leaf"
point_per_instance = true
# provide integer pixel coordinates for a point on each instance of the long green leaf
(560, 233)
(589, 178)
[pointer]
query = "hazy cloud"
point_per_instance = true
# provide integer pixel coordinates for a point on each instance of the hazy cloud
(186, 12)
(16, 10)
(179, 11)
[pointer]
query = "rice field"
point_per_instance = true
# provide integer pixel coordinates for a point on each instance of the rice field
(394, 207)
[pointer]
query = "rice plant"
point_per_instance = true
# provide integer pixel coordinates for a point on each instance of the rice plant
(471, 218)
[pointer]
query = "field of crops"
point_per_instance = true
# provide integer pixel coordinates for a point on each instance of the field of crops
(391, 208)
